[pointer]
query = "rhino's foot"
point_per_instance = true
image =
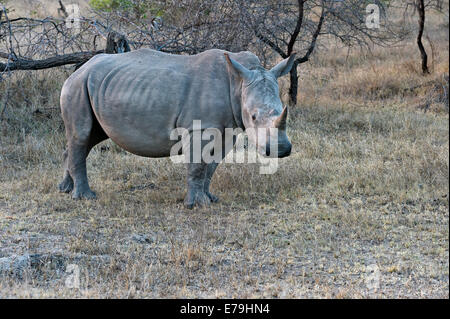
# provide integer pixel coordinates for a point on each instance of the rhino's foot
(66, 186)
(196, 198)
(83, 193)
(212, 198)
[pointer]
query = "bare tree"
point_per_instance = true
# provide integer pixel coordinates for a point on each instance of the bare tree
(295, 26)
(34, 44)
(421, 10)
(421, 7)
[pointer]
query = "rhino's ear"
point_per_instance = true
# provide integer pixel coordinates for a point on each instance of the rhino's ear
(284, 66)
(243, 72)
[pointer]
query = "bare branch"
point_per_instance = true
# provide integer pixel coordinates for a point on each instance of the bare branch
(298, 26)
(27, 64)
(305, 58)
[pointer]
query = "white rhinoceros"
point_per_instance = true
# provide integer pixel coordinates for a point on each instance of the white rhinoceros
(138, 98)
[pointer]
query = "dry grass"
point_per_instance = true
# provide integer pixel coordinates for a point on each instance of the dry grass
(41, 8)
(367, 184)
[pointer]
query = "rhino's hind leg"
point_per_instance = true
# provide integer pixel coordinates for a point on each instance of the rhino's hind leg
(211, 168)
(83, 132)
(66, 185)
(196, 180)
(78, 152)
(77, 169)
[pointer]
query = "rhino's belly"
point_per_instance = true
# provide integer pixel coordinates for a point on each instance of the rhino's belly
(150, 148)
(138, 134)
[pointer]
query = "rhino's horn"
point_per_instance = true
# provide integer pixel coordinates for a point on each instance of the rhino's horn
(280, 122)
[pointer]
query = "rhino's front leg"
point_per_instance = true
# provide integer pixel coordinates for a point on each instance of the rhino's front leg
(211, 168)
(196, 181)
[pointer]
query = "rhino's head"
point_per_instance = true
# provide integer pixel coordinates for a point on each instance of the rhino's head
(262, 109)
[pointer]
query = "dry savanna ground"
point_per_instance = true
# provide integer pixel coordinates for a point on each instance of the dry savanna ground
(360, 209)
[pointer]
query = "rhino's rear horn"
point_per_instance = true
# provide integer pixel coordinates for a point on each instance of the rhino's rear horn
(280, 122)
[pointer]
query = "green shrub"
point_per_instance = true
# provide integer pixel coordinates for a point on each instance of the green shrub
(141, 9)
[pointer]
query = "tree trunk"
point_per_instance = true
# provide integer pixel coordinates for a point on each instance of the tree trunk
(116, 43)
(293, 88)
(26, 64)
(423, 53)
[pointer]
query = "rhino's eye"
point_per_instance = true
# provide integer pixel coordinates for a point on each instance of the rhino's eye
(254, 117)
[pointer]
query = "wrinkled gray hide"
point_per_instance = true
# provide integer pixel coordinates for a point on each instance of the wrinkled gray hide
(138, 98)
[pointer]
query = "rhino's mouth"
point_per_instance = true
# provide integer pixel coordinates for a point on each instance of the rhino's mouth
(283, 150)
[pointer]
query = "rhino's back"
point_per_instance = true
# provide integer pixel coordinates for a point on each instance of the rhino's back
(141, 96)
